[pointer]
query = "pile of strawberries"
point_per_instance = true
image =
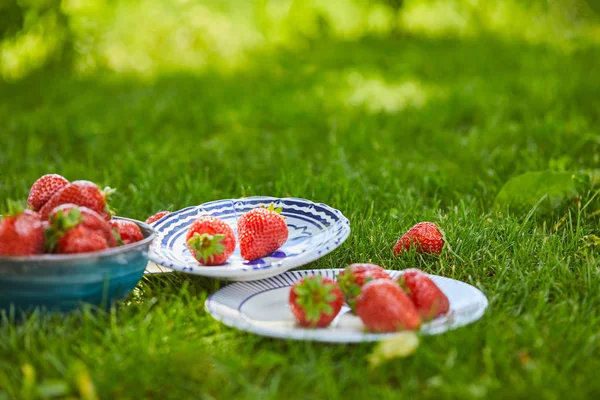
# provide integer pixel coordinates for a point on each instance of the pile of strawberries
(64, 217)
(261, 231)
(382, 303)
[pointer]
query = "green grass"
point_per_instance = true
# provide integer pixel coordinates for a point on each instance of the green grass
(392, 130)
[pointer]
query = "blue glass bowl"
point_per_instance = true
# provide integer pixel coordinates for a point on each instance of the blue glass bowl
(63, 282)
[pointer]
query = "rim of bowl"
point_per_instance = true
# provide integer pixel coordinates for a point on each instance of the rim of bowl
(61, 258)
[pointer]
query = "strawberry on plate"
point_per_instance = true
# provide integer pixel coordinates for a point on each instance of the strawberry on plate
(210, 240)
(355, 276)
(43, 189)
(384, 307)
(127, 231)
(75, 229)
(429, 299)
(81, 193)
(425, 237)
(315, 301)
(21, 234)
(156, 217)
(261, 231)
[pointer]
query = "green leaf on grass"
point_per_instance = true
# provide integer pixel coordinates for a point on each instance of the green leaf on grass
(400, 345)
(523, 192)
(53, 388)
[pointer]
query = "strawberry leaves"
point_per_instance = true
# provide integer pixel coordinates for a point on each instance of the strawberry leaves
(206, 246)
(349, 287)
(271, 207)
(60, 223)
(315, 298)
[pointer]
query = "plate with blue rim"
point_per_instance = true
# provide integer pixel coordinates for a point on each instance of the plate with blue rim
(315, 229)
(261, 307)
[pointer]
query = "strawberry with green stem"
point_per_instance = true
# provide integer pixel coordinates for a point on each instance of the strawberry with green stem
(126, 232)
(81, 193)
(261, 231)
(21, 232)
(315, 301)
(355, 276)
(210, 240)
(75, 229)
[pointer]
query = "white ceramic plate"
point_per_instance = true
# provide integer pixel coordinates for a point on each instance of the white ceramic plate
(261, 307)
(314, 230)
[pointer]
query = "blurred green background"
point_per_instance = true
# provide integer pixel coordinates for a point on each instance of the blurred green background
(150, 37)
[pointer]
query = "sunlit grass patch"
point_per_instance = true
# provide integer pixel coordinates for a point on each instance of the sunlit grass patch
(376, 94)
(150, 37)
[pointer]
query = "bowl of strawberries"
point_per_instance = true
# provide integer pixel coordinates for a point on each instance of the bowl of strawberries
(66, 249)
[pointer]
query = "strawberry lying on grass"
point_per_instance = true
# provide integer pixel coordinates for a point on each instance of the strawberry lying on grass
(21, 233)
(429, 299)
(355, 276)
(315, 301)
(261, 231)
(75, 229)
(156, 217)
(210, 240)
(425, 237)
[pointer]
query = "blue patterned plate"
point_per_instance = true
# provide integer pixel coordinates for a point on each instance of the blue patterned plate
(261, 307)
(314, 230)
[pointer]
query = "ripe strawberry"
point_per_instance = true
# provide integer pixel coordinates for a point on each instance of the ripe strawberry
(261, 231)
(384, 307)
(81, 193)
(210, 240)
(81, 240)
(43, 189)
(425, 236)
(21, 234)
(429, 299)
(71, 224)
(127, 231)
(156, 217)
(355, 276)
(315, 301)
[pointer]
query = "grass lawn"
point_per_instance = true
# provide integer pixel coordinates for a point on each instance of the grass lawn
(392, 130)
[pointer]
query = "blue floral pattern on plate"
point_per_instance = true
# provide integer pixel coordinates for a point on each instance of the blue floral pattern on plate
(314, 230)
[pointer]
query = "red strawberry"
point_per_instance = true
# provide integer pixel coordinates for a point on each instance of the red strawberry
(384, 307)
(425, 294)
(355, 276)
(210, 240)
(81, 240)
(21, 234)
(81, 193)
(315, 301)
(43, 189)
(156, 217)
(261, 231)
(128, 231)
(425, 236)
(83, 221)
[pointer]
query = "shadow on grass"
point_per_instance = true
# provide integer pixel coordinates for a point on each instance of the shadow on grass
(439, 119)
